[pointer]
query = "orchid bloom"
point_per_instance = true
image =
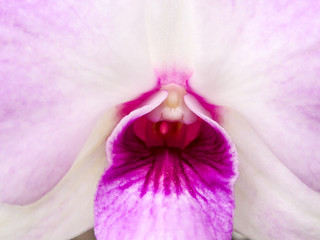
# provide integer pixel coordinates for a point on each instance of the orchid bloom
(136, 117)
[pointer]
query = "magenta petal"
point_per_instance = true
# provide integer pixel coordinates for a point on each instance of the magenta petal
(166, 192)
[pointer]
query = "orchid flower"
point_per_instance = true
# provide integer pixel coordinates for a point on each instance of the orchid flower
(185, 119)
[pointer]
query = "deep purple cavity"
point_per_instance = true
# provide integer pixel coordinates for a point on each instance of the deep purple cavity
(167, 180)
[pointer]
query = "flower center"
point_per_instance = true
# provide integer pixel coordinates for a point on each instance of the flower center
(173, 109)
(171, 168)
(171, 124)
(165, 133)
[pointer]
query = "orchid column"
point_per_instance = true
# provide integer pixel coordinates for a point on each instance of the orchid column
(198, 80)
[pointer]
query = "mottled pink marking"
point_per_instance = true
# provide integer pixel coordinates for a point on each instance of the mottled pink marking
(201, 155)
(167, 180)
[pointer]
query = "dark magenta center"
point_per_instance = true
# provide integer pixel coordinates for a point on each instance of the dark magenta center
(165, 133)
(171, 157)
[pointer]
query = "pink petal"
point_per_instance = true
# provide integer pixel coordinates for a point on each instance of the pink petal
(170, 194)
(62, 65)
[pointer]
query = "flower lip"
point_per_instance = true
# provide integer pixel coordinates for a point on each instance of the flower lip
(164, 169)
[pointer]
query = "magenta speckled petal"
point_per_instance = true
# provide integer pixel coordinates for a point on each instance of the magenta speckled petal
(164, 192)
(62, 65)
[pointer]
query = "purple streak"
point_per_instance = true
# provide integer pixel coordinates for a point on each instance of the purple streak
(177, 186)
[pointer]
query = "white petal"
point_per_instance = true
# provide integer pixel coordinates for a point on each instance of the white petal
(262, 59)
(169, 26)
(67, 210)
(62, 65)
(271, 202)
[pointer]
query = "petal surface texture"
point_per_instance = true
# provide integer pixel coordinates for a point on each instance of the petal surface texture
(62, 65)
(67, 210)
(271, 202)
(159, 192)
(260, 59)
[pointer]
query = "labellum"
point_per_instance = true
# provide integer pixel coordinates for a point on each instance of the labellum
(172, 172)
